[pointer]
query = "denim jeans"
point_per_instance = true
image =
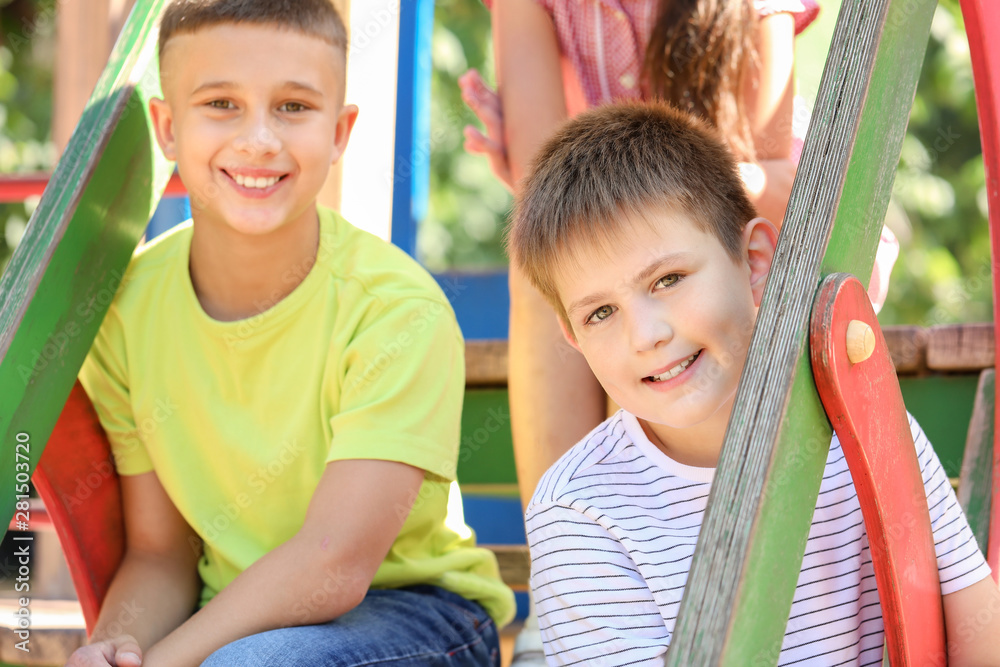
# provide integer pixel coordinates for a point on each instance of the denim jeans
(419, 625)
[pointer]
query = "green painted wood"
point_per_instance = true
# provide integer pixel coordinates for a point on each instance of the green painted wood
(975, 488)
(750, 548)
(486, 453)
(60, 281)
(943, 406)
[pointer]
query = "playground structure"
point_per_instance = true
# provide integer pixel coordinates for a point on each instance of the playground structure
(751, 545)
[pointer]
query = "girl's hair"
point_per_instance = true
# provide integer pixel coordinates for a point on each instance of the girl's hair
(698, 57)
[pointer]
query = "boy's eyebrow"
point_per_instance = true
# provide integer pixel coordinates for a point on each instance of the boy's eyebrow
(229, 85)
(643, 275)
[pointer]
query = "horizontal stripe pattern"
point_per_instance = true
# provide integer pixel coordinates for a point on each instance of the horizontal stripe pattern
(613, 527)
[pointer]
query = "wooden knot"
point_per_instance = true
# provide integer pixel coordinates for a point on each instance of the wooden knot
(860, 341)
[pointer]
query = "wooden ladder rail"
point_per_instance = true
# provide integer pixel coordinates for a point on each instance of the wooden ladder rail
(71, 260)
(985, 57)
(750, 549)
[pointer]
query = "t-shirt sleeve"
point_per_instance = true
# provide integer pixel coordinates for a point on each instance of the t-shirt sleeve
(104, 376)
(594, 607)
(402, 381)
(960, 561)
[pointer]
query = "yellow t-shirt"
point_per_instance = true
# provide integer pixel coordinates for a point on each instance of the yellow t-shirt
(363, 360)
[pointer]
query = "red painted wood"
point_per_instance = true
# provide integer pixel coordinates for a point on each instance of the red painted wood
(866, 409)
(76, 478)
(15, 189)
(979, 14)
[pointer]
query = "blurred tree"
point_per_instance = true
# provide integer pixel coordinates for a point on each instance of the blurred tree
(939, 199)
(468, 206)
(27, 34)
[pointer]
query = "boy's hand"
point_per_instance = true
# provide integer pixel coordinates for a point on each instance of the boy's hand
(122, 651)
(484, 101)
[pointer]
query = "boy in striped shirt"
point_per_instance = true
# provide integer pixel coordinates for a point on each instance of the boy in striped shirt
(635, 226)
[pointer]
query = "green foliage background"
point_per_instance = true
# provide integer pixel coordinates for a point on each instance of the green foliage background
(938, 209)
(27, 31)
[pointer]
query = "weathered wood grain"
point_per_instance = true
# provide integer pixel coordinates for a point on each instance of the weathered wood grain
(750, 548)
(63, 275)
(907, 347)
(966, 347)
(486, 363)
(515, 564)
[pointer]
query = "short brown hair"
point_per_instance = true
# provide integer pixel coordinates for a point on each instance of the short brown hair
(316, 18)
(616, 161)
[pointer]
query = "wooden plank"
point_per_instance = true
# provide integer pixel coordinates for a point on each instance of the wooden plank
(64, 273)
(984, 49)
(907, 347)
(966, 347)
(56, 631)
(750, 548)
(975, 487)
(515, 564)
(878, 447)
(486, 363)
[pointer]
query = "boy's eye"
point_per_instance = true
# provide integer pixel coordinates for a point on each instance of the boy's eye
(601, 314)
(221, 104)
(667, 280)
(294, 107)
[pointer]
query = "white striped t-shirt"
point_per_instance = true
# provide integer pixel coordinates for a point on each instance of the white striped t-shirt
(612, 529)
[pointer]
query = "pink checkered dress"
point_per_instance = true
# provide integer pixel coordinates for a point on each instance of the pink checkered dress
(604, 41)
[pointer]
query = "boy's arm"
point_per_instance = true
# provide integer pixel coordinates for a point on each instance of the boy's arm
(972, 625)
(354, 516)
(971, 598)
(156, 587)
(594, 607)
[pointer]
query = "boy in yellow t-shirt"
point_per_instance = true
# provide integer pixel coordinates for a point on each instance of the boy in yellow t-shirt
(282, 391)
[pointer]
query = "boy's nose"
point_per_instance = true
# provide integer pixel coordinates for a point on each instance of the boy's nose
(257, 138)
(649, 331)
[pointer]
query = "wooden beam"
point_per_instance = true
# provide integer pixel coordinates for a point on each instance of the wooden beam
(907, 347)
(743, 576)
(975, 485)
(64, 273)
(486, 363)
(966, 347)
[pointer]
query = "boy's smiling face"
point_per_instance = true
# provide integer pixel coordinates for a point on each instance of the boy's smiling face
(253, 116)
(664, 318)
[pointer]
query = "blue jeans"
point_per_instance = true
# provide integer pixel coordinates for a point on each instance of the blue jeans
(419, 625)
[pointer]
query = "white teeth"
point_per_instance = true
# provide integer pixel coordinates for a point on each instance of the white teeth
(256, 183)
(675, 371)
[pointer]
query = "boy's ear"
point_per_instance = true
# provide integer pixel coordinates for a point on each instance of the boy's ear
(163, 123)
(568, 334)
(345, 123)
(760, 238)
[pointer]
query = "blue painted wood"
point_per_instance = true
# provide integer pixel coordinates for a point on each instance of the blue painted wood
(495, 520)
(171, 212)
(481, 302)
(411, 161)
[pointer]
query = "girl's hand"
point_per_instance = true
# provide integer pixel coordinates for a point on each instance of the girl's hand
(485, 103)
(122, 651)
